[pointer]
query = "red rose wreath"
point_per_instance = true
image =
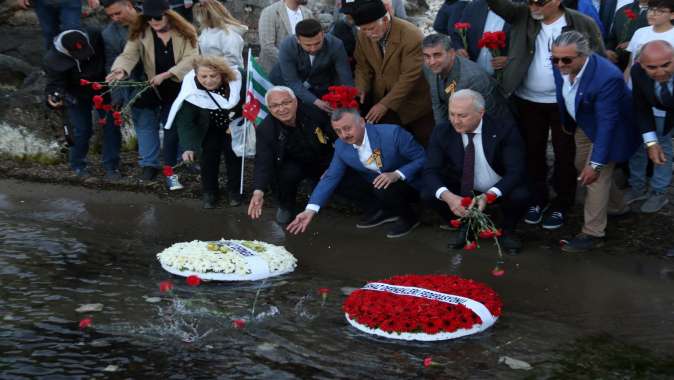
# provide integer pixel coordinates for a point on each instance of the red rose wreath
(423, 307)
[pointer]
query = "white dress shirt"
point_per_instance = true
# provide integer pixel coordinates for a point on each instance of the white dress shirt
(570, 90)
(485, 176)
(493, 23)
(294, 17)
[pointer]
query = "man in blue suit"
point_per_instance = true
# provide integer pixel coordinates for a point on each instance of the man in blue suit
(593, 96)
(388, 160)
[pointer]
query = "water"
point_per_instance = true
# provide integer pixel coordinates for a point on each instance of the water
(65, 247)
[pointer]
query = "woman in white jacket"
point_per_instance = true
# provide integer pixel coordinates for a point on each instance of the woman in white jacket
(220, 34)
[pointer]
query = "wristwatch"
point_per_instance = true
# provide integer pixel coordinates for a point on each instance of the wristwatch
(596, 167)
(651, 143)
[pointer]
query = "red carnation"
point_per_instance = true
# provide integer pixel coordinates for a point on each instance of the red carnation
(117, 115)
(466, 201)
(96, 86)
(168, 171)
(498, 233)
(239, 324)
(486, 234)
(470, 246)
(491, 198)
(101, 121)
(456, 223)
(165, 286)
(497, 272)
(462, 25)
(629, 13)
(98, 100)
(84, 82)
(106, 107)
(428, 361)
(193, 280)
(86, 323)
(119, 122)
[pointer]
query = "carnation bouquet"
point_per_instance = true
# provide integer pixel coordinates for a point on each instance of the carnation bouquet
(494, 41)
(107, 87)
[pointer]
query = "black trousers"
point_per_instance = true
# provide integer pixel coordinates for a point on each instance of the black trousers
(215, 143)
(513, 206)
(290, 174)
(536, 120)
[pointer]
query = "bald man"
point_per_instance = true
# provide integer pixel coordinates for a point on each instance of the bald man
(654, 108)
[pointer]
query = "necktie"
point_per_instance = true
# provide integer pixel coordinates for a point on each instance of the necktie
(468, 176)
(665, 94)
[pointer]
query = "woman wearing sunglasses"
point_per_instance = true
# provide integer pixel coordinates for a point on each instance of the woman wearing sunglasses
(165, 44)
(201, 115)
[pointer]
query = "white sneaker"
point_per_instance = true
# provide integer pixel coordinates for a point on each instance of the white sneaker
(172, 183)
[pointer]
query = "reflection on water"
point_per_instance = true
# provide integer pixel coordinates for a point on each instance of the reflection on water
(62, 251)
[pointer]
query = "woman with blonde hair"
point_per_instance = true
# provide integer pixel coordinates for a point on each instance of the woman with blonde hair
(220, 33)
(165, 44)
(201, 115)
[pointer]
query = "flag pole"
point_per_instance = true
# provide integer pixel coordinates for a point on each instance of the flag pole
(245, 123)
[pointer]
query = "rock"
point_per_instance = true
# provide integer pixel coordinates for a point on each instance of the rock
(515, 363)
(111, 368)
(13, 71)
(89, 308)
(152, 299)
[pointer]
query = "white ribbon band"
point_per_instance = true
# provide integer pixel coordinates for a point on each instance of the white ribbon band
(257, 264)
(478, 308)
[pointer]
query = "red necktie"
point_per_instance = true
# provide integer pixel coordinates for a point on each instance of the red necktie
(468, 176)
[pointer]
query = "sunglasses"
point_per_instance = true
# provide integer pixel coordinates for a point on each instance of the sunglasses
(564, 60)
(540, 3)
(157, 18)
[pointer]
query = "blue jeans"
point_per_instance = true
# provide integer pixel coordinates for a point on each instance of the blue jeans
(147, 122)
(56, 17)
(80, 117)
(662, 174)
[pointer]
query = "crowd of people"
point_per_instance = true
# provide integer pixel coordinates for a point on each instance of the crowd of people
(432, 119)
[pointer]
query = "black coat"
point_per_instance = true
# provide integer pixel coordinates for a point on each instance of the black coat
(448, 15)
(64, 74)
(270, 143)
(643, 97)
(503, 148)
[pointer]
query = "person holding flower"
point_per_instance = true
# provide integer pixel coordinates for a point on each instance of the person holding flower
(201, 116)
(166, 44)
(475, 154)
(627, 20)
(74, 62)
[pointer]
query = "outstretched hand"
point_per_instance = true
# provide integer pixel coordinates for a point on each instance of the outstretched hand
(301, 222)
(255, 205)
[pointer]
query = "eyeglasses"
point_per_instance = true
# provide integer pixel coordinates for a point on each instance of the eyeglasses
(539, 3)
(658, 11)
(275, 106)
(564, 60)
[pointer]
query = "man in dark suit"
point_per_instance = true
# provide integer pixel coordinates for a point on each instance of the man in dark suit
(389, 163)
(311, 61)
(497, 151)
(652, 86)
(293, 143)
(596, 104)
(446, 73)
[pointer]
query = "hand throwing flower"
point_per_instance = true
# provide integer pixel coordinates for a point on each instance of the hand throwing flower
(479, 225)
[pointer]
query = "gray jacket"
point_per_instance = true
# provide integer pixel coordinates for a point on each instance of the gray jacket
(465, 74)
(273, 27)
(114, 38)
(310, 81)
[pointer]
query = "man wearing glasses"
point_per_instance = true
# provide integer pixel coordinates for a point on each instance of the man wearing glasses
(595, 102)
(293, 143)
(659, 16)
(528, 76)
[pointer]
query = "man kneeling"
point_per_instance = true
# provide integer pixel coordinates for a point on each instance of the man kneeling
(388, 161)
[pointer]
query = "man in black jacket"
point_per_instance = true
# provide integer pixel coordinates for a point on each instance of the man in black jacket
(75, 59)
(293, 143)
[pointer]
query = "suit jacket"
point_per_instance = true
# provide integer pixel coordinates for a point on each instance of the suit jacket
(142, 49)
(270, 147)
(644, 98)
(395, 80)
(399, 151)
(273, 27)
(523, 33)
(465, 74)
(294, 68)
(503, 149)
(603, 111)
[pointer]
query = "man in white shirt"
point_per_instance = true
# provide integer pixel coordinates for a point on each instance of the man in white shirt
(497, 152)
(594, 102)
(278, 21)
(388, 161)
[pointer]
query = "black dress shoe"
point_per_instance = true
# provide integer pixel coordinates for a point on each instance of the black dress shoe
(149, 173)
(458, 239)
(402, 227)
(510, 244)
(375, 219)
(208, 200)
(283, 216)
